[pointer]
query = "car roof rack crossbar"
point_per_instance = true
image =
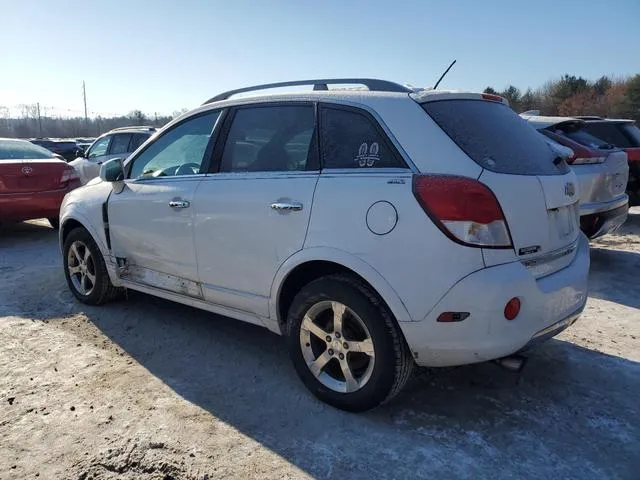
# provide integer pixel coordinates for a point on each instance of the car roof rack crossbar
(134, 127)
(321, 84)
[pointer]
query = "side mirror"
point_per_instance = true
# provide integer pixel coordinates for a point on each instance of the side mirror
(112, 171)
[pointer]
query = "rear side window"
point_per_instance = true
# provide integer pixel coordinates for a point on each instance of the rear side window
(351, 139)
(270, 138)
(120, 143)
(495, 137)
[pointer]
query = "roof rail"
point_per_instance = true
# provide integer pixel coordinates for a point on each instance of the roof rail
(134, 127)
(321, 84)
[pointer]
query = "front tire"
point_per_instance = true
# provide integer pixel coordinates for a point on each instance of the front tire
(85, 270)
(345, 345)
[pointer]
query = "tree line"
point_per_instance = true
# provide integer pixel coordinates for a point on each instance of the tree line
(30, 124)
(571, 95)
(566, 96)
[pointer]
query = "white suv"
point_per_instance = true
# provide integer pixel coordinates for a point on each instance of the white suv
(374, 229)
(116, 143)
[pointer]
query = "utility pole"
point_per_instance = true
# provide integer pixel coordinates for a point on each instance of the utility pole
(39, 119)
(156, 121)
(84, 97)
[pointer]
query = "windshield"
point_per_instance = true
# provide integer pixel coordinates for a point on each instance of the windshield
(495, 137)
(22, 150)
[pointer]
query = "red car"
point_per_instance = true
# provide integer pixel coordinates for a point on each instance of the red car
(624, 134)
(33, 182)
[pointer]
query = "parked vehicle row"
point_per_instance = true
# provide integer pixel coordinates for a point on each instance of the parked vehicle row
(119, 142)
(67, 149)
(601, 168)
(376, 229)
(33, 181)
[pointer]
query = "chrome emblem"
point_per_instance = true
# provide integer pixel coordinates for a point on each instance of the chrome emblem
(27, 170)
(569, 189)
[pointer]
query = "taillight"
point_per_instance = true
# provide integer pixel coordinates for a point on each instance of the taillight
(69, 174)
(492, 97)
(465, 210)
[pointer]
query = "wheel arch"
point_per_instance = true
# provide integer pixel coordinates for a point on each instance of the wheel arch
(309, 264)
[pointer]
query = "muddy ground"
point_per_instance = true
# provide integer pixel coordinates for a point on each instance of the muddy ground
(147, 389)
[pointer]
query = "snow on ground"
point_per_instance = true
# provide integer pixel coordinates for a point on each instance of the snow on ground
(146, 389)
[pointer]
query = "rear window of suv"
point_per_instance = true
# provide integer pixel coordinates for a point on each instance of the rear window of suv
(576, 132)
(495, 137)
(618, 134)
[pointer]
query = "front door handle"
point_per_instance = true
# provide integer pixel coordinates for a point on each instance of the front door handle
(179, 204)
(287, 206)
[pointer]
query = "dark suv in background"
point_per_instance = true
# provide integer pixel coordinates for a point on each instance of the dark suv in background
(623, 134)
(65, 148)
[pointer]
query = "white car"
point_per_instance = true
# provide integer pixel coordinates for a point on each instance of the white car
(602, 171)
(116, 143)
(374, 229)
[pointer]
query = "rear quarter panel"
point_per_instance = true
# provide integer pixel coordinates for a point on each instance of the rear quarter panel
(415, 258)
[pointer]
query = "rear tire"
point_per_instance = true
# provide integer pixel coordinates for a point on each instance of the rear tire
(85, 270)
(363, 359)
(54, 222)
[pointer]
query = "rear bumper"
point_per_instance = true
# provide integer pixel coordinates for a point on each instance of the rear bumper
(604, 221)
(26, 206)
(548, 305)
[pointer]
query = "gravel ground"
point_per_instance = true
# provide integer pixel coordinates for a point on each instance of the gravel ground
(147, 389)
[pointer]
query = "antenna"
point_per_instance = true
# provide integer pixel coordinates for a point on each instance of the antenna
(442, 76)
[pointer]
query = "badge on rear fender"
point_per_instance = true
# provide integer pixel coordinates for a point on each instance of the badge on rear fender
(529, 250)
(569, 189)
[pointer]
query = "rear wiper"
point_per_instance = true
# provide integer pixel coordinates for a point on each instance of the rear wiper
(607, 146)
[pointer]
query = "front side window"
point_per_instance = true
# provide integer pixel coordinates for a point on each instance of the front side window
(99, 148)
(270, 138)
(179, 151)
(350, 139)
(120, 143)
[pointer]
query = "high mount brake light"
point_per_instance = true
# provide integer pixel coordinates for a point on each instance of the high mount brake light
(466, 210)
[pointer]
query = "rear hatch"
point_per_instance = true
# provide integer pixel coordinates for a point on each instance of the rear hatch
(28, 168)
(30, 176)
(535, 187)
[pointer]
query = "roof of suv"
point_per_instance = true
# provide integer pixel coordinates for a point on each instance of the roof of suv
(366, 88)
(133, 129)
(540, 121)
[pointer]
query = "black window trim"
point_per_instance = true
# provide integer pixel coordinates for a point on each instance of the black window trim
(218, 149)
(388, 142)
(206, 160)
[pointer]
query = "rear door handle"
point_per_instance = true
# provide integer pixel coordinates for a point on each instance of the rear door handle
(287, 206)
(179, 204)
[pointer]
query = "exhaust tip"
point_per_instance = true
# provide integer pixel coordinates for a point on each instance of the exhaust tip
(512, 363)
